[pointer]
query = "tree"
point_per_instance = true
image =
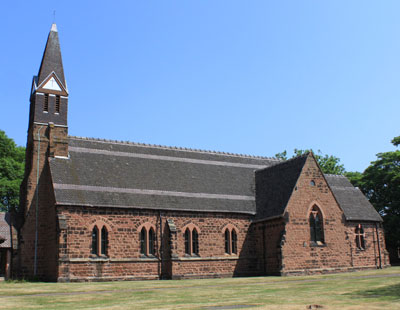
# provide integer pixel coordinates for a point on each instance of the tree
(329, 164)
(11, 172)
(380, 182)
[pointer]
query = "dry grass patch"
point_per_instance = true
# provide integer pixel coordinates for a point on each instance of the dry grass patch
(377, 289)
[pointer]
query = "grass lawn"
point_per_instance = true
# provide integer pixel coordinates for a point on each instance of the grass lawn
(375, 289)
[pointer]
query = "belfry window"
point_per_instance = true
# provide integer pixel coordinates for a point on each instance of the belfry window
(46, 103)
(57, 104)
(360, 242)
(316, 226)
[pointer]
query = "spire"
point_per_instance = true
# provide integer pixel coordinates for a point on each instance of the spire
(52, 60)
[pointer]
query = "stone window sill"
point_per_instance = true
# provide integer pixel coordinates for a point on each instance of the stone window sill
(192, 256)
(150, 256)
(317, 244)
(103, 258)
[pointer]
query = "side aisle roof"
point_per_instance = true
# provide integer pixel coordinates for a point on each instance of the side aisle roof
(354, 204)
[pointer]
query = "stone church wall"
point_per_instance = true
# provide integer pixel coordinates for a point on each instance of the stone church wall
(124, 260)
(46, 218)
(336, 253)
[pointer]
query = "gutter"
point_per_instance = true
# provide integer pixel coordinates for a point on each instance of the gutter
(379, 246)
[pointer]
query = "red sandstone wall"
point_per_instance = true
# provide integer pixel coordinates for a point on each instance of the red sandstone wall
(47, 252)
(299, 256)
(124, 260)
(369, 256)
(269, 238)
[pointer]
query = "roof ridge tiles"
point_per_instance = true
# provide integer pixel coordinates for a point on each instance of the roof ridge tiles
(174, 148)
(335, 175)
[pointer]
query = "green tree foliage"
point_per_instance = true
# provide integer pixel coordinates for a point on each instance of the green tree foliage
(380, 182)
(329, 164)
(11, 172)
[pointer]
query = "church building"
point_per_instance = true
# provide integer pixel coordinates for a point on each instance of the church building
(95, 209)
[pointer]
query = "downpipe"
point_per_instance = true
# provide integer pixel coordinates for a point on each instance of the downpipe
(37, 204)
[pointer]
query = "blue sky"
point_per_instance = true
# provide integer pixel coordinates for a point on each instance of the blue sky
(248, 77)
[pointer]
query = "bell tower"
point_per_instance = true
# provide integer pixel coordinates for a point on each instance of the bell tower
(47, 138)
(48, 121)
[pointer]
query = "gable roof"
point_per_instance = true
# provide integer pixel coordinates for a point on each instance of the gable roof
(121, 174)
(275, 184)
(5, 229)
(354, 204)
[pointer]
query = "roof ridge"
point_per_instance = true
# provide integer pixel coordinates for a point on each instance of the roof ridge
(176, 148)
(287, 161)
(335, 175)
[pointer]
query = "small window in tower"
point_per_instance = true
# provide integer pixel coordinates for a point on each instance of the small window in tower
(57, 104)
(46, 103)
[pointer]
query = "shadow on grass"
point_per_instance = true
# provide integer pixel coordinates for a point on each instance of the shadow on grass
(390, 292)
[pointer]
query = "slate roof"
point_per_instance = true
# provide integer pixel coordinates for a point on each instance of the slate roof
(52, 60)
(354, 204)
(275, 184)
(5, 229)
(121, 174)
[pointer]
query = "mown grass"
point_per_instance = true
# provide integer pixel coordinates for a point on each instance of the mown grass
(361, 290)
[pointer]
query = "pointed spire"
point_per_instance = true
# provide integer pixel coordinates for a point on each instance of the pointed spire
(52, 60)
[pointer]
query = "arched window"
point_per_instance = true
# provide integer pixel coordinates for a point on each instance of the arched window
(234, 242)
(99, 240)
(316, 226)
(104, 240)
(230, 241)
(147, 237)
(95, 241)
(151, 241)
(191, 236)
(143, 241)
(227, 241)
(187, 241)
(195, 242)
(360, 242)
